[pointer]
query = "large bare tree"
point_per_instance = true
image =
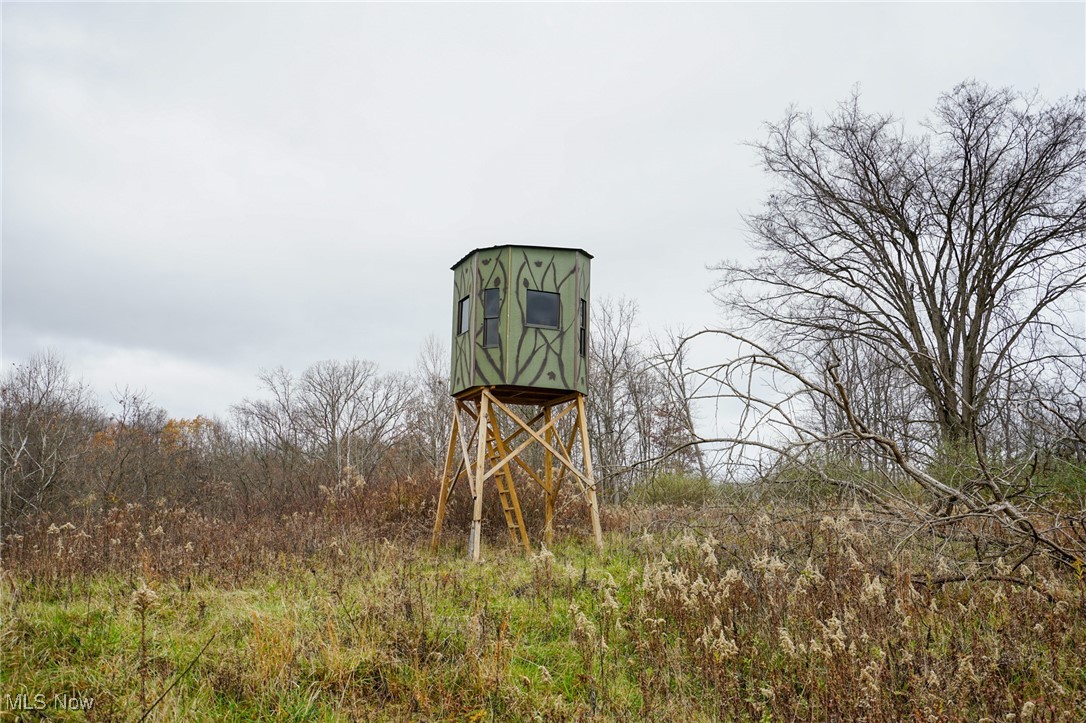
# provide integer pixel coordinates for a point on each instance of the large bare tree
(906, 326)
(951, 256)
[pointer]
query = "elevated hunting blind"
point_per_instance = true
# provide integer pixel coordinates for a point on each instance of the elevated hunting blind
(520, 335)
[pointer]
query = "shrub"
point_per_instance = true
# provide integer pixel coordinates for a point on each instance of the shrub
(675, 488)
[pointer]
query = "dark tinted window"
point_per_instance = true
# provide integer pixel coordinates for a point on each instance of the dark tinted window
(584, 328)
(490, 332)
(463, 316)
(492, 304)
(542, 309)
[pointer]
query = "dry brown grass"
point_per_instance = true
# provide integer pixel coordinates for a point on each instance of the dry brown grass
(737, 612)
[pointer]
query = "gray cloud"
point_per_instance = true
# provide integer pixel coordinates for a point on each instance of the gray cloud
(192, 192)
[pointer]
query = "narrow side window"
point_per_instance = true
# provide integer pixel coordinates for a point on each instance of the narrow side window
(583, 339)
(463, 315)
(492, 304)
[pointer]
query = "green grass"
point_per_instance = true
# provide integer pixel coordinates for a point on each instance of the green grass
(433, 636)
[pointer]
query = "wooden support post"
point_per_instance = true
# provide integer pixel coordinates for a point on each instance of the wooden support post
(590, 491)
(549, 492)
(482, 425)
(446, 484)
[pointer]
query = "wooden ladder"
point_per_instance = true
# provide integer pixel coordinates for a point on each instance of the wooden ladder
(503, 480)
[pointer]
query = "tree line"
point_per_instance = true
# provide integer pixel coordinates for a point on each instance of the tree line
(333, 429)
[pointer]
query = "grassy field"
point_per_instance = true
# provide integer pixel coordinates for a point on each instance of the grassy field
(720, 614)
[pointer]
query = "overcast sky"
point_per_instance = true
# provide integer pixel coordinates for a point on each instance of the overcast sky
(195, 192)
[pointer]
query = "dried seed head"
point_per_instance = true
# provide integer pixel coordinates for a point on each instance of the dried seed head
(725, 647)
(709, 559)
(869, 680)
(686, 542)
(610, 603)
(144, 598)
(770, 566)
(874, 591)
(787, 643)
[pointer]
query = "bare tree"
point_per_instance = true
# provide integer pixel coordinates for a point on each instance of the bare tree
(45, 417)
(271, 430)
(332, 425)
(126, 459)
(616, 360)
(430, 410)
(1056, 414)
(676, 418)
(911, 296)
(638, 403)
(950, 256)
(332, 400)
(378, 422)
